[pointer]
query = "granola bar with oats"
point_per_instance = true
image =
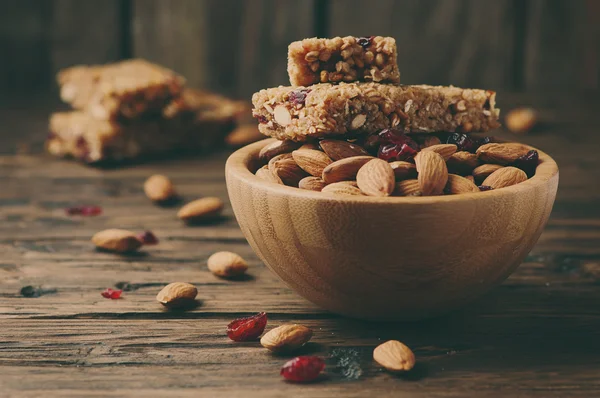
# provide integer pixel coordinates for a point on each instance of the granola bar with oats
(195, 122)
(354, 109)
(344, 59)
(123, 90)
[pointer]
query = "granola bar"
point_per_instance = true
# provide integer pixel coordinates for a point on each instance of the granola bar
(124, 90)
(353, 109)
(345, 59)
(198, 122)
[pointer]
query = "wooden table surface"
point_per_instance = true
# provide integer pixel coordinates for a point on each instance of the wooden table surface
(536, 335)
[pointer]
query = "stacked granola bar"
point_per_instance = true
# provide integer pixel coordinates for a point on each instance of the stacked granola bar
(133, 109)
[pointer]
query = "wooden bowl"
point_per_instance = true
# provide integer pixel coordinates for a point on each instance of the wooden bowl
(389, 258)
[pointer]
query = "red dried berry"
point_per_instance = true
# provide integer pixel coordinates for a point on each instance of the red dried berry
(299, 96)
(262, 119)
(112, 294)
(303, 369)
(365, 42)
(83, 210)
(485, 188)
(528, 162)
(244, 329)
(148, 238)
(396, 145)
(465, 142)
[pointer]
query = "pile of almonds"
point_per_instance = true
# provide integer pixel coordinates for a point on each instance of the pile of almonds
(396, 164)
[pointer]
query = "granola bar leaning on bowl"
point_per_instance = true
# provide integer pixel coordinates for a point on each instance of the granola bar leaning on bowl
(354, 109)
(345, 59)
(124, 90)
(195, 122)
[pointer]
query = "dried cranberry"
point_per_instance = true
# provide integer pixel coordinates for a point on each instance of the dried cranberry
(84, 210)
(111, 294)
(395, 145)
(365, 42)
(262, 119)
(299, 96)
(303, 369)
(244, 329)
(485, 188)
(528, 162)
(465, 142)
(148, 238)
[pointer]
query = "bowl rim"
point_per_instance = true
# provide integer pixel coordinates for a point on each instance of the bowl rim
(238, 164)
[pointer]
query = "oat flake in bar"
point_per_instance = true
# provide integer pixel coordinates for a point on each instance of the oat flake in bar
(124, 90)
(353, 109)
(348, 59)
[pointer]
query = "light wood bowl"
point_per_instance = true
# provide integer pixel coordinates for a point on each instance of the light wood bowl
(389, 258)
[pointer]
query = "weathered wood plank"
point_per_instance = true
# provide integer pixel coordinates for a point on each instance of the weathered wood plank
(234, 47)
(465, 43)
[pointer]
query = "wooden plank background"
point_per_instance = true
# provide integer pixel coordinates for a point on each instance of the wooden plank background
(237, 47)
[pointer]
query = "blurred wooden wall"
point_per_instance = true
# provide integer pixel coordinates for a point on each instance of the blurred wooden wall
(239, 46)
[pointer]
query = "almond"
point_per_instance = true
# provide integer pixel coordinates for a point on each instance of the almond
(312, 183)
(403, 170)
(311, 161)
(201, 209)
(480, 173)
(433, 173)
(286, 338)
(342, 188)
(159, 188)
(338, 149)
(243, 135)
(227, 264)
(282, 115)
(177, 294)
(429, 141)
(445, 150)
(502, 153)
(265, 174)
(117, 240)
(344, 169)
(521, 120)
(310, 145)
(462, 162)
(505, 177)
(394, 356)
(407, 188)
(470, 178)
(457, 184)
(376, 178)
(284, 166)
(268, 152)
(358, 122)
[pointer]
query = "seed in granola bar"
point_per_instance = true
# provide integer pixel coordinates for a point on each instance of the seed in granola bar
(299, 96)
(365, 42)
(528, 162)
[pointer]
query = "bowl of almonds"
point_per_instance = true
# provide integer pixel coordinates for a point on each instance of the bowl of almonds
(364, 234)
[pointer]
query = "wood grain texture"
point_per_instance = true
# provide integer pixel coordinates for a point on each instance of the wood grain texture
(535, 335)
(232, 46)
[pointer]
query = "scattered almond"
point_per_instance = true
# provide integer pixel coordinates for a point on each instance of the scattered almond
(407, 188)
(286, 338)
(117, 240)
(284, 166)
(243, 135)
(502, 153)
(462, 162)
(337, 149)
(404, 170)
(433, 173)
(266, 175)
(311, 161)
(480, 173)
(344, 169)
(342, 188)
(505, 177)
(227, 264)
(394, 356)
(159, 188)
(268, 152)
(201, 209)
(445, 150)
(312, 183)
(457, 184)
(177, 294)
(521, 120)
(376, 178)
